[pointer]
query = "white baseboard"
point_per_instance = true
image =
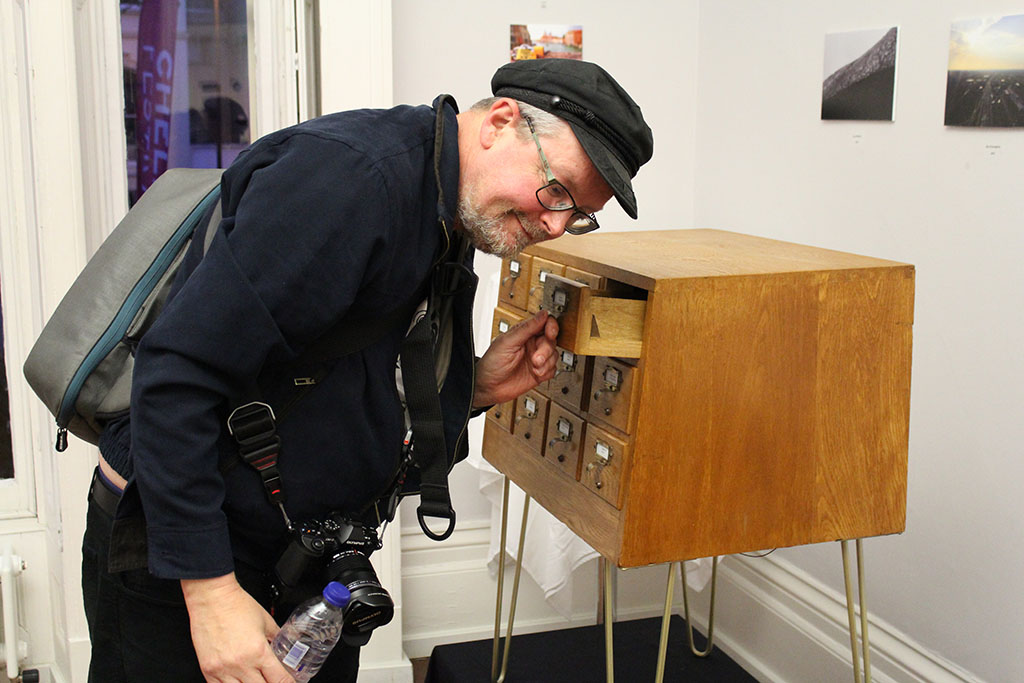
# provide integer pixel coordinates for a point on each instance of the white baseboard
(449, 594)
(776, 621)
(46, 674)
(769, 610)
(383, 672)
(79, 654)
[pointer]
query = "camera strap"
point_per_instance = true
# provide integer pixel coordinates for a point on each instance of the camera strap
(430, 453)
(254, 428)
(420, 358)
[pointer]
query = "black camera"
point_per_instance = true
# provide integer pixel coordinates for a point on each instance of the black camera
(338, 549)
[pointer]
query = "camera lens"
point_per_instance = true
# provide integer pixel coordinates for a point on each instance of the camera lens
(342, 547)
(370, 605)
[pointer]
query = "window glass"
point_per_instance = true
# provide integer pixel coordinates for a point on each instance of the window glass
(6, 452)
(186, 86)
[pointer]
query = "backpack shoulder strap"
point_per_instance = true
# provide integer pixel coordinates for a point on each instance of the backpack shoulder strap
(429, 450)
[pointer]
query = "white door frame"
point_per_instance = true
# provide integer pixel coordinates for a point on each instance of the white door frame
(63, 186)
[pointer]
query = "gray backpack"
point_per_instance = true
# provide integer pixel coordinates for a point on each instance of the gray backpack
(81, 365)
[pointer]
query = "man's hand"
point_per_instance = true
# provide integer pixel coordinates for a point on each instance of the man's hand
(517, 361)
(231, 633)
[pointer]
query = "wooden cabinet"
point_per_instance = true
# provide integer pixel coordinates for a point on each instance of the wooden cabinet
(613, 393)
(571, 383)
(758, 396)
(564, 439)
(530, 421)
(540, 269)
(514, 287)
(604, 462)
(503, 320)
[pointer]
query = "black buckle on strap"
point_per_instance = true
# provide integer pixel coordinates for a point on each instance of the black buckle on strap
(451, 278)
(254, 428)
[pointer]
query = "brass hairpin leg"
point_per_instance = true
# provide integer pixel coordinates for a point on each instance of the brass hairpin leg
(496, 676)
(609, 660)
(863, 613)
(659, 675)
(501, 581)
(711, 610)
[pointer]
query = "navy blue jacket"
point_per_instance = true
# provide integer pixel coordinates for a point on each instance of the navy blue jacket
(333, 218)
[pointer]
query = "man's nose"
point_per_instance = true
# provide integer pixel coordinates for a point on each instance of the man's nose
(554, 222)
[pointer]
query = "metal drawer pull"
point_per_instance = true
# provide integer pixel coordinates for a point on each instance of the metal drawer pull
(564, 428)
(541, 278)
(603, 453)
(566, 363)
(559, 300)
(513, 273)
(531, 410)
(612, 382)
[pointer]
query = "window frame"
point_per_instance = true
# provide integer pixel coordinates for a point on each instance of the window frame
(33, 274)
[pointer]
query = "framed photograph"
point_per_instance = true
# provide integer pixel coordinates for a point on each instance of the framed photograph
(545, 41)
(859, 75)
(985, 81)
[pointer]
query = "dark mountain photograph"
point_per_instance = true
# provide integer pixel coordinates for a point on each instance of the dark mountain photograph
(985, 82)
(860, 75)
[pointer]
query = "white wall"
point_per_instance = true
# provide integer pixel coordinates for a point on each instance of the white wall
(917, 192)
(732, 92)
(743, 149)
(455, 46)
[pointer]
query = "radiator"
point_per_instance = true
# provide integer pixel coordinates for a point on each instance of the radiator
(14, 648)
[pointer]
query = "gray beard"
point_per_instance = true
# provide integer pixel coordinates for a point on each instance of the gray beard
(488, 233)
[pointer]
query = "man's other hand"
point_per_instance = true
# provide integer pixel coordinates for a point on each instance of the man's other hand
(231, 633)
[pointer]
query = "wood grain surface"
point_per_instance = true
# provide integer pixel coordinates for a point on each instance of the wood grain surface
(771, 399)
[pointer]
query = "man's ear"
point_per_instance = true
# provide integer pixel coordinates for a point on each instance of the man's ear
(498, 121)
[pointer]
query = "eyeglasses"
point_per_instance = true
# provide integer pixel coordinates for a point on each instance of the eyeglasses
(555, 197)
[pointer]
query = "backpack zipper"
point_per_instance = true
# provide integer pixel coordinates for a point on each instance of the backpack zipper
(115, 332)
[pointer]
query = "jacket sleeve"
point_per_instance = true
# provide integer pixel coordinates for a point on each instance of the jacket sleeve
(304, 234)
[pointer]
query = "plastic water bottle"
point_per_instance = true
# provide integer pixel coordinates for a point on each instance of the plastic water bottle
(311, 632)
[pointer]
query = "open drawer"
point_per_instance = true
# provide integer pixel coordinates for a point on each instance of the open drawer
(594, 323)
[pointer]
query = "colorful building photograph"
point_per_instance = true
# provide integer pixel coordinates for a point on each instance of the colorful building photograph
(545, 41)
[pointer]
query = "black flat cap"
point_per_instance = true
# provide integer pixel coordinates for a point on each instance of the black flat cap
(606, 120)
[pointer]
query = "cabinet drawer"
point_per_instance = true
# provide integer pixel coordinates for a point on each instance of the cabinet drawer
(502, 414)
(592, 324)
(611, 392)
(569, 384)
(563, 440)
(589, 279)
(540, 269)
(515, 281)
(530, 421)
(504, 319)
(605, 458)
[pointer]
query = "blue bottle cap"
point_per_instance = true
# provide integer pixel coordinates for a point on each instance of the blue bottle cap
(337, 594)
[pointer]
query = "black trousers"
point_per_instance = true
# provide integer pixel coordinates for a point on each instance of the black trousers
(139, 626)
